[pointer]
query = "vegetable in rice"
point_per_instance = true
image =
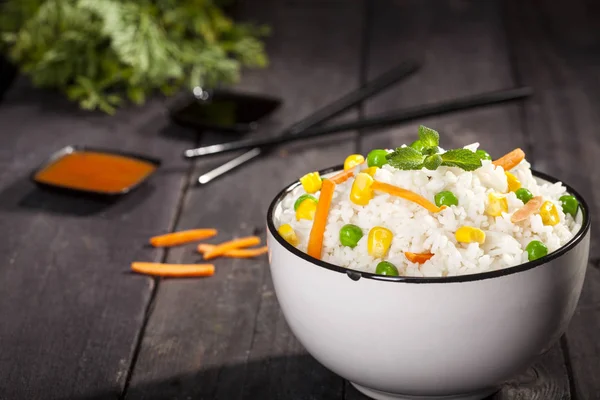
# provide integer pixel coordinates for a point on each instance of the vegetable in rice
(423, 211)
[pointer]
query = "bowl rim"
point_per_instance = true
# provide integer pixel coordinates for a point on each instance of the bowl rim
(356, 275)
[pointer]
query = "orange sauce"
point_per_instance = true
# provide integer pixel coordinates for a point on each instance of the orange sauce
(95, 171)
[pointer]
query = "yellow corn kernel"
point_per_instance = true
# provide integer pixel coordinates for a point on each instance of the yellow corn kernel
(371, 171)
(549, 213)
(287, 232)
(361, 192)
(306, 210)
(379, 241)
(469, 234)
(311, 182)
(497, 204)
(513, 183)
(352, 161)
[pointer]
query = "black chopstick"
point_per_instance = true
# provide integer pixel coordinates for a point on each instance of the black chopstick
(382, 82)
(372, 123)
(328, 112)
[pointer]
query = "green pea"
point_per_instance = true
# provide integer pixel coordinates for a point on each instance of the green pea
(536, 249)
(433, 162)
(483, 155)
(302, 198)
(445, 198)
(569, 205)
(350, 235)
(524, 195)
(417, 145)
(386, 268)
(377, 158)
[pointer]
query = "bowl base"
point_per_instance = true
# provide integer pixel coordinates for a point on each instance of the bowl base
(379, 395)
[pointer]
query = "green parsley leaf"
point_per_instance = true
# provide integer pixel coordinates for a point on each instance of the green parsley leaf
(461, 158)
(406, 158)
(428, 136)
(127, 47)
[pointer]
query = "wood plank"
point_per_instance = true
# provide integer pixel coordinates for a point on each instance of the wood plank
(7, 74)
(464, 49)
(556, 51)
(225, 337)
(70, 310)
(556, 48)
(582, 342)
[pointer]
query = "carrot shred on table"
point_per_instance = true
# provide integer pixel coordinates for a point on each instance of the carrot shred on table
(315, 239)
(527, 210)
(419, 258)
(235, 253)
(224, 247)
(247, 253)
(407, 195)
(510, 160)
(173, 270)
(181, 237)
(204, 247)
(343, 176)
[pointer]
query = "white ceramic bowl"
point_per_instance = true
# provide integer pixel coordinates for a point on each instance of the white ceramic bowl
(427, 338)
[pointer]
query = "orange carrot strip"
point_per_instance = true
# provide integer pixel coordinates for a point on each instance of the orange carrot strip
(407, 195)
(173, 270)
(246, 253)
(315, 239)
(224, 247)
(527, 210)
(182, 237)
(510, 160)
(204, 247)
(417, 257)
(235, 253)
(342, 177)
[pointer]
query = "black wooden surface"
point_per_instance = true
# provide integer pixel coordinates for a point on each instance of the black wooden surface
(311, 65)
(556, 48)
(8, 73)
(70, 309)
(77, 325)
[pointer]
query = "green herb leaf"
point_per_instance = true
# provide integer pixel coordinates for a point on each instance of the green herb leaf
(417, 145)
(461, 158)
(484, 155)
(433, 162)
(428, 136)
(127, 47)
(406, 158)
(136, 95)
(428, 151)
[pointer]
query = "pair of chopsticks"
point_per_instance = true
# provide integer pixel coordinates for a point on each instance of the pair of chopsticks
(343, 104)
(376, 122)
(305, 129)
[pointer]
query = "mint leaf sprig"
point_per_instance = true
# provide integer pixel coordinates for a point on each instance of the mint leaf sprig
(461, 158)
(406, 158)
(428, 137)
(425, 153)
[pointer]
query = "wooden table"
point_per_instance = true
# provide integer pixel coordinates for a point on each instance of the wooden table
(77, 325)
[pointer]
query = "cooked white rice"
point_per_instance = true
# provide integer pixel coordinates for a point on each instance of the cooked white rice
(417, 230)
